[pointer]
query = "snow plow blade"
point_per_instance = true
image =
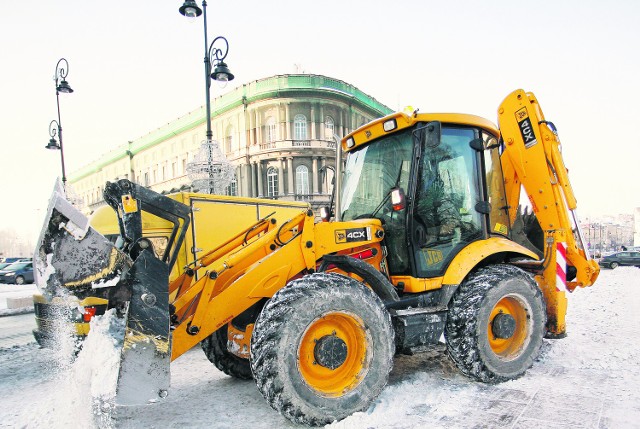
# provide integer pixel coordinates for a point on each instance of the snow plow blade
(73, 259)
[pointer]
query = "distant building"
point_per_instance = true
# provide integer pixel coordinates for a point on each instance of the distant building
(277, 133)
(610, 233)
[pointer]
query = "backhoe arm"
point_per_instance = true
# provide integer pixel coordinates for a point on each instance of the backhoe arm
(532, 160)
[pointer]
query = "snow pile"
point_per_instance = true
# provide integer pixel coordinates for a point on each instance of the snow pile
(83, 386)
(99, 359)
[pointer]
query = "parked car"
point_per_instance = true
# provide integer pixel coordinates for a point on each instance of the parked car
(5, 260)
(620, 258)
(17, 273)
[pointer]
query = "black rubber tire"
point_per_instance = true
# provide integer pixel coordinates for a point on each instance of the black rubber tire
(613, 265)
(19, 280)
(467, 329)
(216, 349)
(294, 312)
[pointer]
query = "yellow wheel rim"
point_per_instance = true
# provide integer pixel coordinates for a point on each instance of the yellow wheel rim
(317, 356)
(511, 347)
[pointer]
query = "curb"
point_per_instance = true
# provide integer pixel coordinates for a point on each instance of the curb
(15, 311)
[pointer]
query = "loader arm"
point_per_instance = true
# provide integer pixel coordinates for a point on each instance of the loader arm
(163, 319)
(128, 200)
(532, 161)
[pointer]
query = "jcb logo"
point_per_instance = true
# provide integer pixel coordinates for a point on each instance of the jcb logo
(434, 257)
(352, 234)
(526, 129)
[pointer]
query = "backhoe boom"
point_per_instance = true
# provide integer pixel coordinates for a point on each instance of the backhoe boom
(532, 160)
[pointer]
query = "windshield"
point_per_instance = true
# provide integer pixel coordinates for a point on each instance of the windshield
(372, 171)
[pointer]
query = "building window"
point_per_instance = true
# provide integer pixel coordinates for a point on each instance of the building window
(146, 179)
(302, 180)
(271, 130)
(232, 189)
(272, 182)
(300, 127)
(228, 140)
(329, 128)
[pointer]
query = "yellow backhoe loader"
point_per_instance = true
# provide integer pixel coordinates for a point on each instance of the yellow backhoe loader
(426, 241)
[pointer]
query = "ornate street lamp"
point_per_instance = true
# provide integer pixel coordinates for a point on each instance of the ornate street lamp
(53, 132)
(55, 127)
(210, 161)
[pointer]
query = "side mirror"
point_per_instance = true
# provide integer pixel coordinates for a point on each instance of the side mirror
(325, 214)
(398, 199)
(433, 134)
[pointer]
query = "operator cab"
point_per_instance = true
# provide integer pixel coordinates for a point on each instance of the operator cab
(447, 167)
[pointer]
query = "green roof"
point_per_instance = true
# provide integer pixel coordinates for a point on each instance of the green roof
(271, 87)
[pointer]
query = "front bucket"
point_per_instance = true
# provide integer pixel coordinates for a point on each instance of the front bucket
(73, 259)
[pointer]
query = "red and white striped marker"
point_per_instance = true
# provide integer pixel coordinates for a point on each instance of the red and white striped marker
(561, 267)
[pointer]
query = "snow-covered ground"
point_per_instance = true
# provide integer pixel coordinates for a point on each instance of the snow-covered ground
(591, 379)
(14, 291)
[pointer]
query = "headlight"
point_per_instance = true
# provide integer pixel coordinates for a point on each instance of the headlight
(10, 274)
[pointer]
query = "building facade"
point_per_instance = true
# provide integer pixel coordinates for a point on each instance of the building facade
(277, 132)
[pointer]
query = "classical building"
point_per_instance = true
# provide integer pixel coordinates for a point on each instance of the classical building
(278, 133)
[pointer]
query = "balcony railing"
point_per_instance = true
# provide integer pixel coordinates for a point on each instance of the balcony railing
(289, 144)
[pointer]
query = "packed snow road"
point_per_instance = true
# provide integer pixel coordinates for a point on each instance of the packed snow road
(588, 380)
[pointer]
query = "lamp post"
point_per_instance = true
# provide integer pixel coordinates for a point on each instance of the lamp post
(55, 127)
(213, 165)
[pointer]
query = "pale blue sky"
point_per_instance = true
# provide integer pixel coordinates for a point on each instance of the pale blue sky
(135, 66)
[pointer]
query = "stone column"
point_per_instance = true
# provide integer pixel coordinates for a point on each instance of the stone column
(312, 114)
(322, 126)
(280, 135)
(314, 174)
(290, 174)
(258, 128)
(260, 185)
(280, 177)
(250, 124)
(254, 180)
(238, 171)
(287, 122)
(324, 184)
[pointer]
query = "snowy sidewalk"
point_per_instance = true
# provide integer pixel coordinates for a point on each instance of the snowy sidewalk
(20, 296)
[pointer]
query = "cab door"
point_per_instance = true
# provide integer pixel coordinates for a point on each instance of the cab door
(444, 218)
